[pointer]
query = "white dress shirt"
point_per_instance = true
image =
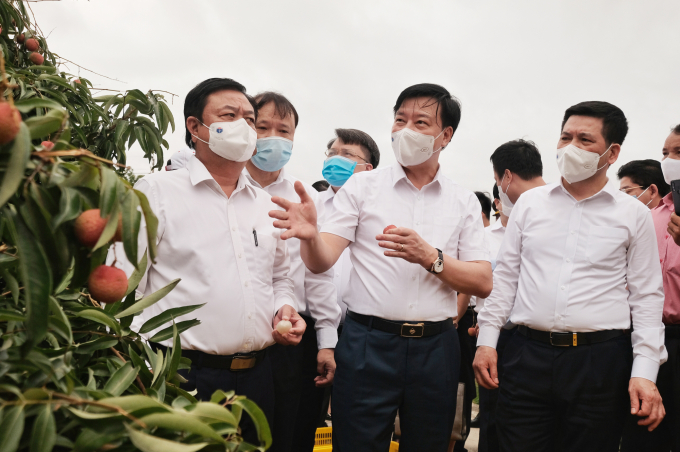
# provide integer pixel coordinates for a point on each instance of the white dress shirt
(315, 293)
(444, 214)
(343, 267)
(494, 237)
(564, 266)
(208, 240)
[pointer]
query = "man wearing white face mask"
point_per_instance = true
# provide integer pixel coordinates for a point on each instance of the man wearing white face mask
(300, 373)
(214, 234)
(569, 251)
(416, 238)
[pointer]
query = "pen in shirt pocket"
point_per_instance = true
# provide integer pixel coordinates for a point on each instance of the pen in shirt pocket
(255, 236)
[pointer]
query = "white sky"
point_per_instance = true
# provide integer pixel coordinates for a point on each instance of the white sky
(515, 65)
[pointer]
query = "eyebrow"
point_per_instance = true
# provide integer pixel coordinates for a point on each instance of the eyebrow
(235, 109)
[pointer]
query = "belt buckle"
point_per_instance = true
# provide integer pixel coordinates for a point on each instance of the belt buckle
(412, 329)
(242, 362)
(557, 345)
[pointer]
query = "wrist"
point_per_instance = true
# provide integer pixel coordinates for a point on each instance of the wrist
(430, 257)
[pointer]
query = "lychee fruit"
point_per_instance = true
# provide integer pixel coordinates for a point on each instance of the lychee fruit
(107, 284)
(47, 145)
(21, 38)
(388, 228)
(32, 44)
(472, 331)
(89, 226)
(36, 58)
(118, 236)
(10, 120)
(284, 326)
(78, 81)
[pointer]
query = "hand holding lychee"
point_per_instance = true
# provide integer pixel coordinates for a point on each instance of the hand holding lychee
(284, 326)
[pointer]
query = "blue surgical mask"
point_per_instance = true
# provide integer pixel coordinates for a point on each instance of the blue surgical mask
(272, 153)
(337, 169)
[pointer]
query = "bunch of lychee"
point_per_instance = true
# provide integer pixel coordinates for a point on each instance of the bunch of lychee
(106, 283)
(32, 45)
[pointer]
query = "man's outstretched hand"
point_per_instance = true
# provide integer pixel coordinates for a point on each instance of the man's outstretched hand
(645, 402)
(299, 219)
(294, 335)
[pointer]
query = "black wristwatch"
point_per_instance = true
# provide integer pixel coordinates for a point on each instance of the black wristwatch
(438, 265)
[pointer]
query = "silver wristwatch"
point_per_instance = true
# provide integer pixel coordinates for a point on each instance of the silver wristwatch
(438, 265)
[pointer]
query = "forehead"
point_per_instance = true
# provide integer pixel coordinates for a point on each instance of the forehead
(269, 113)
(577, 124)
(419, 106)
(230, 98)
(673, 141)
(340, 145)
(626, 182)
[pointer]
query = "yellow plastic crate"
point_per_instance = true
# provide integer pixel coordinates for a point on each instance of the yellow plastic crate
(323, 442)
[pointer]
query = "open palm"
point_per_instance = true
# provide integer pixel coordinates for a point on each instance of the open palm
(298, 219)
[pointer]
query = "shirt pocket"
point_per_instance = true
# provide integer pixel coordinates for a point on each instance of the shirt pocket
(446, 231)
(607, 247)
(266, 245)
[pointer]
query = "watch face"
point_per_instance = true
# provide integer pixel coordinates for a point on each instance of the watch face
(438, 266)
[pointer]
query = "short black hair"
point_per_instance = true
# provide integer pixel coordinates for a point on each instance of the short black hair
(645, 173)
(676, 129)
(448, 107)
(485, 201)
(614, 122)
(194, 104)
(361, 139)
(521, 157)
(282, 105)
(495, 192)
(321, 185)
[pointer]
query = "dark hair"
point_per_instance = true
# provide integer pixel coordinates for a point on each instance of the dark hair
(448, 107)
(485, 201)
(614, 122)
(321, 185)
(676, 129)
(361, 139)
(521, 157)
(282, 105)
(194, 104)
(495, 192)
(645, 173)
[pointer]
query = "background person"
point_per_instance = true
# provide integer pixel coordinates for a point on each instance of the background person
(321, 185)
(569, 248)
(643, 180)
(485, 202)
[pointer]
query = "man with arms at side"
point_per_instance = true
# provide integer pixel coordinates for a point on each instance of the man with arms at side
(569, 250)
(643, 180)
(214, 234)
(416, 238)
(299, 397)
(637, 438)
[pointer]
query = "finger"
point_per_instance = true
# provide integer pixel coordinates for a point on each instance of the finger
(390, 245)
(645, 408)
(302, 193)
(396, 254)
(634, 401)
(282, 202)
(392, 238)
(279, 214)
(279, 339)
(282, 224)
(322, 381)
(400, 231)
(658, 417)
(493, 372)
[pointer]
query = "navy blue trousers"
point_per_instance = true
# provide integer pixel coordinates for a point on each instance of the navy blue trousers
(379, 373)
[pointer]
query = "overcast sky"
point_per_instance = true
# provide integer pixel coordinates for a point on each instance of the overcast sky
(514, 65)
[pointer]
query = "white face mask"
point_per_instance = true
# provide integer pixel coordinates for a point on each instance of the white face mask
(506, 204)
(671, 169)
(233, 141)
(576, 164)
(413, 148)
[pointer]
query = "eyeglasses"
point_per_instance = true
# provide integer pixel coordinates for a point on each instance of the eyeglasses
(332, 153)
(626, 190)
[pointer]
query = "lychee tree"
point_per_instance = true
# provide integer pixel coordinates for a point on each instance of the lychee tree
(73, 374)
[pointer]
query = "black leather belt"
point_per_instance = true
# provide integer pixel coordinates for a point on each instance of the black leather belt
(235, 362)
(569, 339)
(403, 329)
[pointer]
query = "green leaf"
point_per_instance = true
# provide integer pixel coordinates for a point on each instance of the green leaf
(20, 152)
(110, 229)
(42, 126)
(219, 395)
(259, 419)
(97, 344)
(211, 413)
(181, 422)
(11, 428)
(167, 316)
(176, 353)
(121, 379)
(59, 322)
(109, 190)
(12, 284)
(168, 115)
(131, 220)
(90, 440)
(100, 316)
(148, 443)
(44, 432)
(93, 416)
(151, 224)
(167, 332)
(137, 274)
(149, 300)
(140, 364)
(28, 105)
(69, 206)
(6, 316)
(134, 403)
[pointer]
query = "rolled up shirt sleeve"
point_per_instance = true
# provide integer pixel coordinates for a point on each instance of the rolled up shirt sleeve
(344, 218)
(282, 283)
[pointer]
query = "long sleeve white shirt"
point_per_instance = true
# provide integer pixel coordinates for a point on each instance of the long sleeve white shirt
(315, 293)
(494, 236)
(207, 240)
(564, 266)
(444, 214)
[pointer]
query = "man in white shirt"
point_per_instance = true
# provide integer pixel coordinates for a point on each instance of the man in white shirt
(399, 349)
(214, 234)
(578, 260)
(299, 398)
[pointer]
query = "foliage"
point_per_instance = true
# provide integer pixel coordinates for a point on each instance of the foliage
(73, 375)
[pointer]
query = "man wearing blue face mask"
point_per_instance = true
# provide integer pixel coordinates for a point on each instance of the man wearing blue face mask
(300, 373)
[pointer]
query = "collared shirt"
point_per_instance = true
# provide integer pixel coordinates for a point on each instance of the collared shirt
(494, 236)
(343, 267)
(564, 266)
(669, 254)
(208, 240)
(444, 214)
(315, 294)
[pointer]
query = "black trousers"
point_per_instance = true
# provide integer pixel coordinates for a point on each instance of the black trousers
(468, 346)
(379, 373)
(257, 384)
(571, 399)
(666, 437)
(488, 399)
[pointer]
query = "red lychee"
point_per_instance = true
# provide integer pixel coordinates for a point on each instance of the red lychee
(21, 38)
(32, 44)
(472, 331)
(47, 145)
(10, 120)
(107, 284)
(388, 228)
(36, 58)
(89, 226)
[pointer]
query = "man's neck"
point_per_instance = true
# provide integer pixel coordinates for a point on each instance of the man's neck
(586, 188)
(225, 172)
(525, 185)
(264, 178)
(423, 174)
(335, 189)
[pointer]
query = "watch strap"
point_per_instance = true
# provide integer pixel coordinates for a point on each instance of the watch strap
(440, 257)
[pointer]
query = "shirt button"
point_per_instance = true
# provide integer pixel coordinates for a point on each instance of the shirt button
(568, 260)
(250, 315)
(239, 255)
(233, 228)
(418, 197)
(410, 306)
(562, 287)
(417, 222)
(246, 284)
(413, 278)
(573, 232)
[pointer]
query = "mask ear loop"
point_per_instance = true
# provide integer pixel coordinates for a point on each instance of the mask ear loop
(610, 146)
(435, 139)
(508, 187)
(198, 137)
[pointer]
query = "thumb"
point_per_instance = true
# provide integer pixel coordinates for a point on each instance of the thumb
(321, 367)
(493, 371)
(302, 193)
(634, 401)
